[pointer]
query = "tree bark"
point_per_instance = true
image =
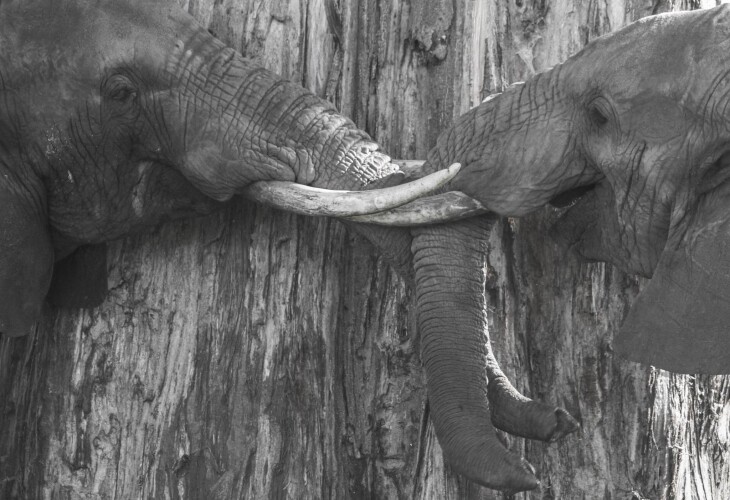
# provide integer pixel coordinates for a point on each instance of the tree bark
(257, 354)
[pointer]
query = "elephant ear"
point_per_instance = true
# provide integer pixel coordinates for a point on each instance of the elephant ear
(681, 320)
(80, 279)
(26, 263)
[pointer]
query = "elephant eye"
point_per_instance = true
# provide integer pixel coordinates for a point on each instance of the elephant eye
(570, 197)
(119, 88)
(597, 117)
(598, 112)
(718, 173)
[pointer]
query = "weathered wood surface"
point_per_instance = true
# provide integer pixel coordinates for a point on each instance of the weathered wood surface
(258, 354)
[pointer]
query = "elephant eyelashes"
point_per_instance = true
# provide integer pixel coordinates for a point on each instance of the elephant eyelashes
(597, 117)
(570, 197)
(598, 112)
(716, 174)
(119, 88)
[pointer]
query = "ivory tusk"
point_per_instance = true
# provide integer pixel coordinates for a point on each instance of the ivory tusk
(309, 200)
(435, 209)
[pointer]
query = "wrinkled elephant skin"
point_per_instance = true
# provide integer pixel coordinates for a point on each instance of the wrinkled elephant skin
(116, 116)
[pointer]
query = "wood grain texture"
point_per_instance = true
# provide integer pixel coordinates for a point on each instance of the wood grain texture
(257, 354)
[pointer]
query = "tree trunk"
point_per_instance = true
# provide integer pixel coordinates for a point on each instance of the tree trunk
(258, 354)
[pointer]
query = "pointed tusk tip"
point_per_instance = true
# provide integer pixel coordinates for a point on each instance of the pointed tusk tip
(454, 168)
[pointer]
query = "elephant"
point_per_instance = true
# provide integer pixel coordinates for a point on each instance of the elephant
(117, 116)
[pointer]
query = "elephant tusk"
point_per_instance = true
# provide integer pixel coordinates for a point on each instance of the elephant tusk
(435, 209)
(309, 200)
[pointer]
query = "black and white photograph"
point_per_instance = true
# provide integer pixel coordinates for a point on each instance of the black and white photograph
(365, 249)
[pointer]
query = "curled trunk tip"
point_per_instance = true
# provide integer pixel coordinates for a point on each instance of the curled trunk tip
(488, 463)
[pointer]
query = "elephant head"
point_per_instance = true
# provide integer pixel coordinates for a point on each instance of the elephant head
(635, 131)
(633, 134)
(115, 116)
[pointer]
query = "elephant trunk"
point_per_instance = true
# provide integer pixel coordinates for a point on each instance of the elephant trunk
(517, 153)
(240, 124)
(450, 263)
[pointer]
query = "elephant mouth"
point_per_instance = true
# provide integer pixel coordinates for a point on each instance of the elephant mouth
(568, 198)
(587, 226)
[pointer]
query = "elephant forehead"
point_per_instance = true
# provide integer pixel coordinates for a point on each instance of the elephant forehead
(669, 54)
(139, 31)
(87, 36)
(56, 54)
